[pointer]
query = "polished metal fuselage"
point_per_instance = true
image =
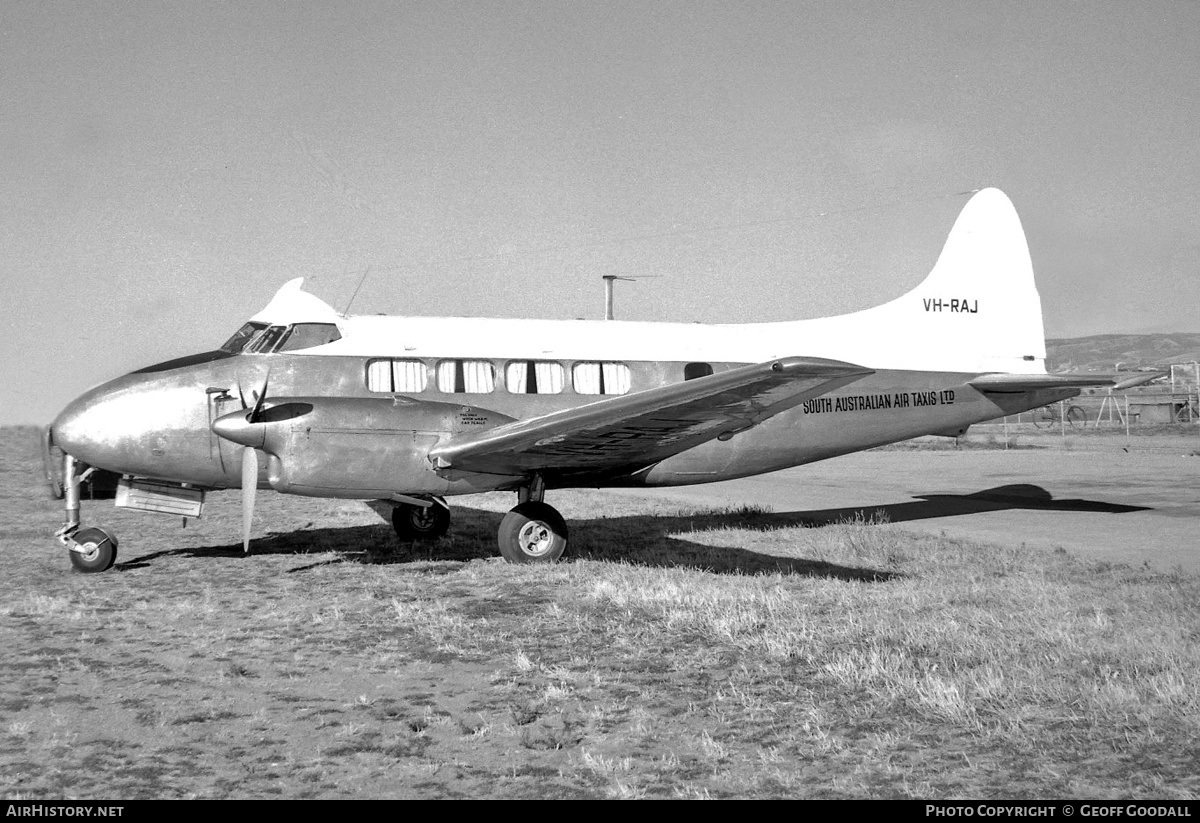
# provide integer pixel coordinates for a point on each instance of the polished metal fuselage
(339, 439)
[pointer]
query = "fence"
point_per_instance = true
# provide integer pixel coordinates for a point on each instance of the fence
(1178, 404)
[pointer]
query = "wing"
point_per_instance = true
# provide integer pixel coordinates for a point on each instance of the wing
(1015, 383)
(636, 430)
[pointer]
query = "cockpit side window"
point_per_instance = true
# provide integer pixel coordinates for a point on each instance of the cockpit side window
(241, 337)
(308, 335)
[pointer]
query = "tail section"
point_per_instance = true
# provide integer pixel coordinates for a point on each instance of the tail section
(977, 311)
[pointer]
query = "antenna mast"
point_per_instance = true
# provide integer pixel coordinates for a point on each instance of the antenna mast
(361, 280)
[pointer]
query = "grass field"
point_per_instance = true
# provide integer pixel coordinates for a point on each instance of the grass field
(678, 654)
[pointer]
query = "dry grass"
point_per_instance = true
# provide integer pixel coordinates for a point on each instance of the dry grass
(678, 654)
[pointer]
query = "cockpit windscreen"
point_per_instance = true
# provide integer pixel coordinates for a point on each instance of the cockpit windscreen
(259, 338)
(241, 337)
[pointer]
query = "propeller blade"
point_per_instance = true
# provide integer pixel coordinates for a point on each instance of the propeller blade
(258, 400)
(249, 489)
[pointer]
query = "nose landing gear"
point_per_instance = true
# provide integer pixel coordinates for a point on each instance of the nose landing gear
(91, 550)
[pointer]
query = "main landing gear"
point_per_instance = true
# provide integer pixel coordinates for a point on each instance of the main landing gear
(91, 550)
(421, 521)
(532, 532)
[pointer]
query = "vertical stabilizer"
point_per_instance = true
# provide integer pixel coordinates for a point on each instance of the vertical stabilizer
(977, 311)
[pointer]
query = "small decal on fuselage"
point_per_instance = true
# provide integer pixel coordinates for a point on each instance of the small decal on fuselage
(956, 304)
(873, 402)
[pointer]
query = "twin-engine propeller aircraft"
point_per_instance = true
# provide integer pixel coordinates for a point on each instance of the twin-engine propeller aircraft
(409, 410)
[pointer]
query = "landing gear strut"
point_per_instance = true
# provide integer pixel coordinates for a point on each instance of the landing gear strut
(532, 532)
(91, 550)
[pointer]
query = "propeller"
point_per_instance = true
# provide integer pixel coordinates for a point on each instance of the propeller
(249, 489)
(251, 428)
(259, 397)
(250, 463)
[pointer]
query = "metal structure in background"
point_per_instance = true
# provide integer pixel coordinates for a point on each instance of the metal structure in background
(609, 279)
(608, 293)
(1185, 382)
(1173, 403)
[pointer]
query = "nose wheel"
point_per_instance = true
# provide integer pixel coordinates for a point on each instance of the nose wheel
(93, 550)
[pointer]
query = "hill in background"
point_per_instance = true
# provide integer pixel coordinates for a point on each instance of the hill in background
(1103, 352)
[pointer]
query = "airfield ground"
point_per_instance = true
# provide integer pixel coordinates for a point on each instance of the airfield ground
(1019, 623)
(1099, 495)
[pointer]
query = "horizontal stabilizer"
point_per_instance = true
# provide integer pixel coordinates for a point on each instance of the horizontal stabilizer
(1138, 380)
(633, 431)
(1016, 383)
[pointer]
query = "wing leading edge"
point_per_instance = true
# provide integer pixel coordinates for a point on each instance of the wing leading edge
(636, 430)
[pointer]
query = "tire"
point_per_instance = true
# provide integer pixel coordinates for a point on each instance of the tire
(1076, 417)
(532, 533)
(420, 522)
(100, 551)
(1043, 418)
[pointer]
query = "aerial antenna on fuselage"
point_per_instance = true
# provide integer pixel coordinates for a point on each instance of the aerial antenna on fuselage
(361, 280)
(608, 289)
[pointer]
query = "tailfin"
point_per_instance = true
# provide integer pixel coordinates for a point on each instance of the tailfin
(977, 311)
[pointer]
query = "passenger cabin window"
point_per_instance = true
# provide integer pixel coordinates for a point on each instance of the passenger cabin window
(396, 376)
(532, 377)
(600, 378)
(308, 335)
(241, 337)
(693, 370)
(466, 376)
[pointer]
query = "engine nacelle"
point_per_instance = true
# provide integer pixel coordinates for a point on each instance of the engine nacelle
(360, 447)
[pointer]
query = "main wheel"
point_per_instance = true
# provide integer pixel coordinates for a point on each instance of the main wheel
(99, 551)
(532, 533)
(420, 522)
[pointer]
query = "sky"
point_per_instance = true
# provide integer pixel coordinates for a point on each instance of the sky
(166, 166)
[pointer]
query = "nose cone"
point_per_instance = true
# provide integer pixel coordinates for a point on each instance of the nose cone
(133, 425)
(80, 429)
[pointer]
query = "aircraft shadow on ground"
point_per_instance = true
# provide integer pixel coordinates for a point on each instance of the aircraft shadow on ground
(642, 539)
(653, 540)
(928, 506)
(300, 541)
